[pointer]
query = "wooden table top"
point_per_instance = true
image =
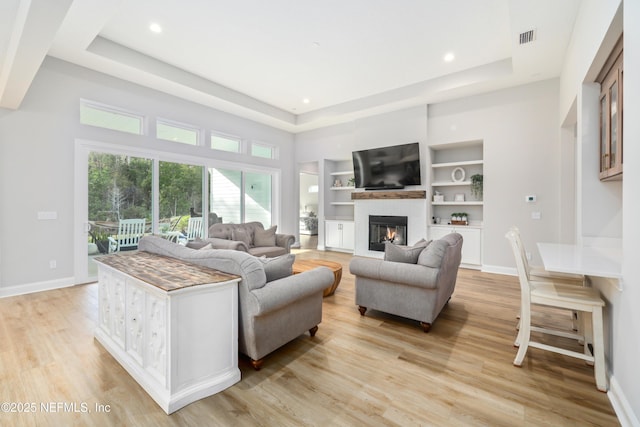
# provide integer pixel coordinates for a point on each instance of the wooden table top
(310, 264)
(163, 272)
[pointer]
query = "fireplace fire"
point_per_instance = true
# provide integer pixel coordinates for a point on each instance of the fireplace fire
(384, 229)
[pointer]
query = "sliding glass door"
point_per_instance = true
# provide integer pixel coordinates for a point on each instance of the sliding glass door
(236, 196)
(114, 184)
(180, 189)
(116, 187)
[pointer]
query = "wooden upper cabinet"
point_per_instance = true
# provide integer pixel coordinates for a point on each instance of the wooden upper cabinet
(611, 79)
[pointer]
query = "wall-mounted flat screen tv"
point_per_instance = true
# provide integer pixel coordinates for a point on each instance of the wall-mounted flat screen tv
(387, 167)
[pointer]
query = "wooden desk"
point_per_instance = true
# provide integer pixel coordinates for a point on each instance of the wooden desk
(172, 325)
(586, 260)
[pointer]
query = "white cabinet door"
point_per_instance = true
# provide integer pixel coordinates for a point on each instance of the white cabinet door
(436, 233)
(340, 234)
(348, 235)
(471, 242)
(332, 234)
(471, 246)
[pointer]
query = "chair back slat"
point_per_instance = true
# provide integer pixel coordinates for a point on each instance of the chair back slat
(523, 273)
(195, 228)
(129, 232)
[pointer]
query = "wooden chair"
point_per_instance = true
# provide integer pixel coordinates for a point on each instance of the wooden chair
(195, 228)
(540, 274)
(129, 233)
(550, 294)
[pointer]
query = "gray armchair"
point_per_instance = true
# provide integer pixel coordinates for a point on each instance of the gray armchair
(417, 290)
(274, 305)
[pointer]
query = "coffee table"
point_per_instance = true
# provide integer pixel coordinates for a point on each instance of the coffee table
(309, 264)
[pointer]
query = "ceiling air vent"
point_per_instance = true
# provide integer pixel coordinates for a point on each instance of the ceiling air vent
(527, 37)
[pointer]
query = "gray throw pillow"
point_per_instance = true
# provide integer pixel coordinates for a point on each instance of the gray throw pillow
(432, 255)
(196, 244)
(265, 237)
(406, 254)
(278, 267)
(241, 235)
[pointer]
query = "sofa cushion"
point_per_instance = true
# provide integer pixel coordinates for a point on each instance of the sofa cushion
(242, 235)
(405, 254)
(197, 244)
(278, 267)
(267, 251)
(432, 255)
(265, 237)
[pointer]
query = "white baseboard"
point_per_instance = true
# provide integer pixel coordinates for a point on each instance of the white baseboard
(497, 269)
(621, 405)
(29, 288)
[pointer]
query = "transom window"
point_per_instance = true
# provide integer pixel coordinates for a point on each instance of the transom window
(260, 149)
(108, 117)
(177, 132)
(220, 141)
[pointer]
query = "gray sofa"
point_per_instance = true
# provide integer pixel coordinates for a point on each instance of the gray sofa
(271, 313)
(416, 288)
(250, 237)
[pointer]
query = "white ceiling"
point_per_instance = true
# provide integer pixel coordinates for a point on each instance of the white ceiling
(260, 59)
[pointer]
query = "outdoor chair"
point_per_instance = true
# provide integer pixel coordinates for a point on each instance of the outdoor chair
(195, 229)
(129, 233)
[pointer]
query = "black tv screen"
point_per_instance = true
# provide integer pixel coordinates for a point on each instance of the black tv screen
(387, 167)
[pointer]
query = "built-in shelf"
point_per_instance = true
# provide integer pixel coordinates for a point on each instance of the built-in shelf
(452, 166)
(342, 173)
(469, 203)
(343, 188)
(457, 164)
(342, 203)
(450, 183)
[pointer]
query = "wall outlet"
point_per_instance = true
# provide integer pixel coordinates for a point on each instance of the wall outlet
(53, 264)
(535, 215)
(531, 198)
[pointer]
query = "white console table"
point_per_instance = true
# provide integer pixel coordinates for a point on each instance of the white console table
(172, 325)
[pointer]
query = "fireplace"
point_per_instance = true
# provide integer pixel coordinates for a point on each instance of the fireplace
(386, 229)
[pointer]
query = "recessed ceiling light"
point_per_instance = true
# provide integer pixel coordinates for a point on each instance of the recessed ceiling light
(449, 57)
(155, 27)
(306, 101)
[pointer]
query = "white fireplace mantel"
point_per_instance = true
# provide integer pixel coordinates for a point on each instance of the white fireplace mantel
(414, 209)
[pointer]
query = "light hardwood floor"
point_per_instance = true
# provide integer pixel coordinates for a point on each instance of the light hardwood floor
(372, 370)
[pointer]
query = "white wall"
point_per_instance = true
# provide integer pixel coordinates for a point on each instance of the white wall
(521, 134)
(339, 141)
(37, 162)
(608, 211)
(626, 315)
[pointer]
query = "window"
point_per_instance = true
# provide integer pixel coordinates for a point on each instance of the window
(263, 150)
(257, 198)
(180, 187)
(177, 132)
(107, 117)
(225, 199)
(237, 196)
(224, 142)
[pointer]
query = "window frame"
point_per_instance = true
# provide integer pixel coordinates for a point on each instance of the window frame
(228, 136)
(275, 153)
(179, 125)
(113, 110)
